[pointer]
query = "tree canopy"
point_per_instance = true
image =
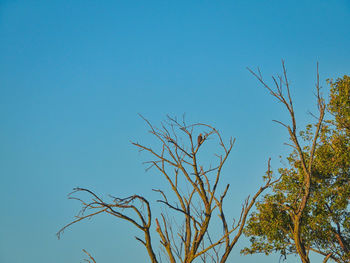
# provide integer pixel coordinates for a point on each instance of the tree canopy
(325, 222)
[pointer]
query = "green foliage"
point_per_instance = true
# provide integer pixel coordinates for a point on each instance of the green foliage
(325, 225)
(339, 104)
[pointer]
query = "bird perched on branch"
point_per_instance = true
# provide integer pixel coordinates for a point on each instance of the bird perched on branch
(200, 139)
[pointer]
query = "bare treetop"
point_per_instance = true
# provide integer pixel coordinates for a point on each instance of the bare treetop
(192, 195)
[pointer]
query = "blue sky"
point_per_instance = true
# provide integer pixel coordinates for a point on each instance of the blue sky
(74, 75)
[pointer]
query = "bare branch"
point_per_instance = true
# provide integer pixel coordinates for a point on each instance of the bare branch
(92, 259)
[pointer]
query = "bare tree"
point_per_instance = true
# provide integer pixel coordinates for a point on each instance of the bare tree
(193, 196)
(280, 90)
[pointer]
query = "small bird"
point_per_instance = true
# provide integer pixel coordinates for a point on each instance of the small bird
(199, 139)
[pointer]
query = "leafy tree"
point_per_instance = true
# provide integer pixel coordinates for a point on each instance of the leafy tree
(193, 196)
(325, 218)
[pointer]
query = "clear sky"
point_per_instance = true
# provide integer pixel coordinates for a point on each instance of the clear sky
(74, 75)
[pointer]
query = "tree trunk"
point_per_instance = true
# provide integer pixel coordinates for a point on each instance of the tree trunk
(298, 242)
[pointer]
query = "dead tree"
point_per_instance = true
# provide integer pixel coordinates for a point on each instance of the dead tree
(193, 197)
